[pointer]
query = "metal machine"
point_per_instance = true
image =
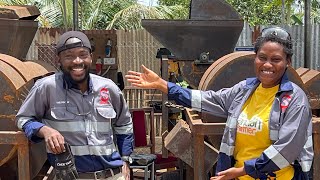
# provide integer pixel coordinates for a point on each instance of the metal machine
(18, 158)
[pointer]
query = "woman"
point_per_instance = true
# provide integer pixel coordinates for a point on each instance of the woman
(268, 133)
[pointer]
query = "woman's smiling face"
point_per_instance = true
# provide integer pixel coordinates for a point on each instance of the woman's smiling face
(270, 63)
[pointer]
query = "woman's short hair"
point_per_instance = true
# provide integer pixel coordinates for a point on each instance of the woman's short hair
(286, 43)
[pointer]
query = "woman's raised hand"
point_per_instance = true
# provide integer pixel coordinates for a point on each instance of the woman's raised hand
(147, 79)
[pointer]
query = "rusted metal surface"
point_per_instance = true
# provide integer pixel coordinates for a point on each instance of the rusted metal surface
(26, 70)
(10, 81)
(16, 79)
(19, 12)
(192, 73)
(301, 71)
(10, 76)
(17, 35)
(311, 80)
(42, 67)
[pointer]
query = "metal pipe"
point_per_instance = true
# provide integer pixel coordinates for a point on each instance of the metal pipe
(75, 15)
(64, 7)
(307, 34)
(165, 110)
(283, 12)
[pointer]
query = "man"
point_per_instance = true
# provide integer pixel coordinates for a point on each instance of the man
(82, 109)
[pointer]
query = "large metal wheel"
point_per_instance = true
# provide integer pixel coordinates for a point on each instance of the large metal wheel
(16, 78)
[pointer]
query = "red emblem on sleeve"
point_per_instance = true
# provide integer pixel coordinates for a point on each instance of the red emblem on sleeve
(285, 102)
(104, 96)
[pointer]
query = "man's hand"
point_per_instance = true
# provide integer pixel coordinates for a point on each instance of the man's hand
(54, 140)
(126, 170)
(230, 173)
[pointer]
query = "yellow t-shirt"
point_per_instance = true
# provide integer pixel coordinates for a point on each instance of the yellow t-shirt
(253, 130)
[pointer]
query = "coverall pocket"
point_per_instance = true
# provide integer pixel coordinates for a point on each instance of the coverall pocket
(106, 112)
(60, 113)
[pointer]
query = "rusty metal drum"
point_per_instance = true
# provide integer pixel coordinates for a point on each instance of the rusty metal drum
(16, 78)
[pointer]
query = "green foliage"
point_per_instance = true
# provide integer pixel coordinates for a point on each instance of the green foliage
(257, 12)
(261, 12)
(130, 17)
(185, 3)
(100, 14)
(296, 20)
(315, 11)
(183, 84)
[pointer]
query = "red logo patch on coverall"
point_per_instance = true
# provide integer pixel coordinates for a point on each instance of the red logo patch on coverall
(285, 102)
(104, 96)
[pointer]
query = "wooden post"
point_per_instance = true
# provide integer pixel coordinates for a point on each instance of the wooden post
(198, 168)
(23, 161)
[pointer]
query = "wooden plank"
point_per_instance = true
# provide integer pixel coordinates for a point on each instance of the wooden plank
(301, 71)
(13, 137)
(178, 143)
(23, 161)
(198, 168)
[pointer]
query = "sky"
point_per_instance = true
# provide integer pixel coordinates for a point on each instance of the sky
(148, 2)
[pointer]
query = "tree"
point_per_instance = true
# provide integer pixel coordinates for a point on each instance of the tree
(130, 17)
(100, 14)
(257, 12)
(261, 12)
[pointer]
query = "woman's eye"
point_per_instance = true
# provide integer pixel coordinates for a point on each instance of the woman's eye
(276, 60)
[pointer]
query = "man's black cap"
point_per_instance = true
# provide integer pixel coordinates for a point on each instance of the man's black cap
(73, 39)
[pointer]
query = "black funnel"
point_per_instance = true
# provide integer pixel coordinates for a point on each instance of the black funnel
(214, 27)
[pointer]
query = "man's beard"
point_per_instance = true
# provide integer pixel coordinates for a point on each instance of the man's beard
(69, 78)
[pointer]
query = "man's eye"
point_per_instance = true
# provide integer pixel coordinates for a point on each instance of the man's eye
(68, 57)
(84, 55)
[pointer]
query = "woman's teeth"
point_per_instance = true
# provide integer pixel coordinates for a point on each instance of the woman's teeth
(267, 72)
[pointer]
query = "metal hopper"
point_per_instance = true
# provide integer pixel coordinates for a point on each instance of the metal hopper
(17, 27)
(211, 32)
(214, 27)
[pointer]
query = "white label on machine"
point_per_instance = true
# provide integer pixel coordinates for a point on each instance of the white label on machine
(109, 61)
